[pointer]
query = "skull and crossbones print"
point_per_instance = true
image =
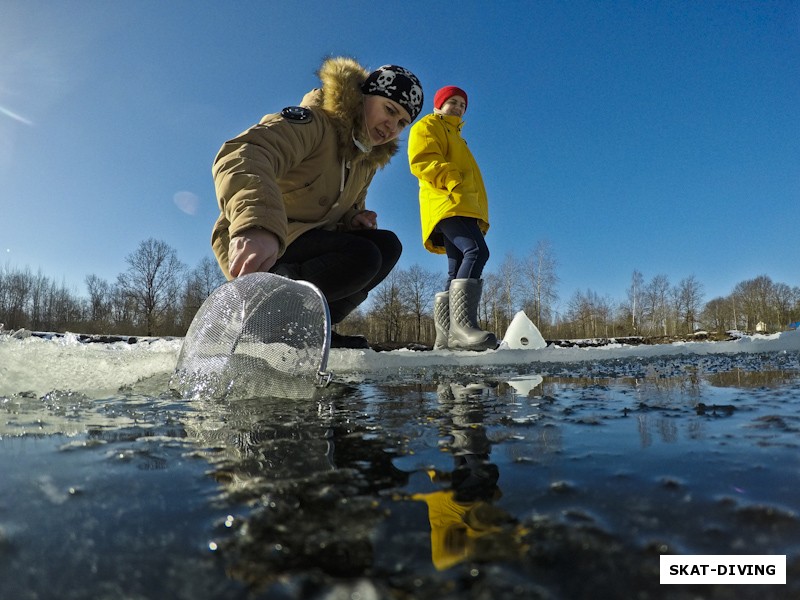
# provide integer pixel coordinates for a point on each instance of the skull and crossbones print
(384, 82)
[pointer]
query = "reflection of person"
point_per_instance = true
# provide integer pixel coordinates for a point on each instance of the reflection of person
(454, 212)
(292, 188)
(464, 522)
(457, 522)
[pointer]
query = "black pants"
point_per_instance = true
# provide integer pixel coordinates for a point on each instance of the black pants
(345, 266)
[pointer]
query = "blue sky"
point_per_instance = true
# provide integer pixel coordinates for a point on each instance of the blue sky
(657, 136)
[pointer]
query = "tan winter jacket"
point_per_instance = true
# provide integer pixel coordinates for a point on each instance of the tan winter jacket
(297, 171)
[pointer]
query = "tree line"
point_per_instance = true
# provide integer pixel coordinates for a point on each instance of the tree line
(158, 295)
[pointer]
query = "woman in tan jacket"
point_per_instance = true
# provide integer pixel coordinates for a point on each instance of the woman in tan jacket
(292, 189)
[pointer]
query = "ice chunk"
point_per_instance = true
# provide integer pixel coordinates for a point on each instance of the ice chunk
(522, 334)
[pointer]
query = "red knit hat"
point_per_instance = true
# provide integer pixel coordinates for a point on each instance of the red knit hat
(448, 92)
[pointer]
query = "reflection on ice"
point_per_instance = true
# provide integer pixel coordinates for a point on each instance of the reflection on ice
(517, 480)
(465, 524)
(524, 385)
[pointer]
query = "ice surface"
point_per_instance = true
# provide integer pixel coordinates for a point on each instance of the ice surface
(39, 365)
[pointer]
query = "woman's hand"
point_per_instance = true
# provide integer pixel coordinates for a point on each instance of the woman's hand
(366, 219)
(254, 250)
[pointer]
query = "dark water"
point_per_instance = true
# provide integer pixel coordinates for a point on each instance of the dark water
(447, 485)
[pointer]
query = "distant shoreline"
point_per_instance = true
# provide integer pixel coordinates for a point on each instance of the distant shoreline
(597, 342)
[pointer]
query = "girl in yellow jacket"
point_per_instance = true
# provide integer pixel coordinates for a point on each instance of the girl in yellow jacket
(454, 213)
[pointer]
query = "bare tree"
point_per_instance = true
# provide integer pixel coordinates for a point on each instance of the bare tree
(123, 311)
(539, 270)
(784, 300)
(590, 315)
(688, 296)
(509, 280)
(753, 298)
(579, 315)
(762, 300)
(491, 314)
(201, 281)
(38, 301)
(207, 276)
(417, 288)
(657, 304)
(635, 299)
(388, 308)
(63, 310)
(99, 302)
(15, 293)
(717, 314)
(152, 281)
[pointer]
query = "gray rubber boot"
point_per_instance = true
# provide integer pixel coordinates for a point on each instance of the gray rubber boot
(441, 319)
(465, 296)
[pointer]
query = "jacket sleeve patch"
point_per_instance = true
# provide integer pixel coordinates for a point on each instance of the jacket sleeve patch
(297, 114)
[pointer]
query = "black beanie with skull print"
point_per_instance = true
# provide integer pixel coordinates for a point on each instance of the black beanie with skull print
(398, 84)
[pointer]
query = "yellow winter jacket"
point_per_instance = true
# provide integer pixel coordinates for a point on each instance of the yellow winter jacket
(450, 182)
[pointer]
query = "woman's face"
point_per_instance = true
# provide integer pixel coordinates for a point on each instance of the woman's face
(385, 119)
(455, 106)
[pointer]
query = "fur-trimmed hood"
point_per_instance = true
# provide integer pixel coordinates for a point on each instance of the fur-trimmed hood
(342, 99)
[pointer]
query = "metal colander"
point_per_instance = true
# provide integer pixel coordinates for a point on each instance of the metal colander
(258, 335)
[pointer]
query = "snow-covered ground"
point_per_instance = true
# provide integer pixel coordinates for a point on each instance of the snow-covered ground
(39, 365)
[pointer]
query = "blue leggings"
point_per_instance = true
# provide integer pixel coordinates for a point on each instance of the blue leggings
(467, 252)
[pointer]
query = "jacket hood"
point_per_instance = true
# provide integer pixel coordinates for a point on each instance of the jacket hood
(341, 98)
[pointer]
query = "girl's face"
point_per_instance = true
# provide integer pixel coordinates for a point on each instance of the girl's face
(455, 106)
(385, 119)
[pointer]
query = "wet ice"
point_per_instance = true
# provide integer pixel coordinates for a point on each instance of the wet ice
(546, 476)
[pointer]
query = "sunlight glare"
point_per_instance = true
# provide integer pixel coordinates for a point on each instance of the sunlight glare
(15, 116)
(187, 202)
